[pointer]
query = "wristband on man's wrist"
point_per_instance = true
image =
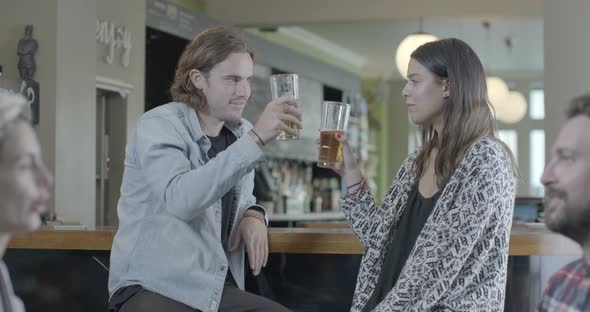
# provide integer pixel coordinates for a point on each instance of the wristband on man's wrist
(259, 138)
(256, 216)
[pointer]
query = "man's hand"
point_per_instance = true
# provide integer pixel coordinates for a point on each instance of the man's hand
(253, 232)
(275, 117)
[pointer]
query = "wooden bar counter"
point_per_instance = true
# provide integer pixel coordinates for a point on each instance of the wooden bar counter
(524, 241)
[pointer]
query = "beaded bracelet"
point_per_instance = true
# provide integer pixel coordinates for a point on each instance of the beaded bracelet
(353, 185)
(354, 194)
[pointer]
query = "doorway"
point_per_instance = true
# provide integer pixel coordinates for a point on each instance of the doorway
(111, 125)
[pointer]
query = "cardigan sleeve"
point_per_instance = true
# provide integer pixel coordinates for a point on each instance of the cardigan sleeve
(470, 231)
(368, 218)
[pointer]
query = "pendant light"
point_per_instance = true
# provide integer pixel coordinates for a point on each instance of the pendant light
(407, 46)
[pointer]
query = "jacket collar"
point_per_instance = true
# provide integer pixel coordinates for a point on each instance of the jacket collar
(192, 121)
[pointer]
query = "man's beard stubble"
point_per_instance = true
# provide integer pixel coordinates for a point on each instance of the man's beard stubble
(573, 223)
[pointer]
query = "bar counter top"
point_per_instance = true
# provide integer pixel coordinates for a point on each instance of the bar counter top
(524, 241)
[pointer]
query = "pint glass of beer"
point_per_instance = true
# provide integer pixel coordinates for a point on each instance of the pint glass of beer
(281, 85)
(334, 121)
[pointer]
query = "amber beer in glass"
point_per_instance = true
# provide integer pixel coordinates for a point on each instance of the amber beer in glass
(334, 121)
(281, 85)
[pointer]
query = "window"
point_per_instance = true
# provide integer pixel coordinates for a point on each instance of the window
(510, 138)
(537, 104)
(537, 150)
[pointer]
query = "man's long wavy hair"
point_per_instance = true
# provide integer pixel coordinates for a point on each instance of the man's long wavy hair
(467, 113)
(579, 105)
(209, 48)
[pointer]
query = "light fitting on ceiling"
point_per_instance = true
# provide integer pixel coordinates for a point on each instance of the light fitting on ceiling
(497, 88)
(513, 109)
(407, 46)
(497, 93)
(510, 106)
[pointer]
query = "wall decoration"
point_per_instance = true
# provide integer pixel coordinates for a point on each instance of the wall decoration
(114, 37)
(26, 49)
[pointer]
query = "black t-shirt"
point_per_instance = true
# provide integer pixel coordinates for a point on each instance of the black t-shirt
(401, 243)
(218, 145)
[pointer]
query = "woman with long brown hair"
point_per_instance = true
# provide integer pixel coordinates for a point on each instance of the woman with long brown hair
(439, 240)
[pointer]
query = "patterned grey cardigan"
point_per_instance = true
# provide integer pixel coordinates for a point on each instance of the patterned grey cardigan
(459, 260)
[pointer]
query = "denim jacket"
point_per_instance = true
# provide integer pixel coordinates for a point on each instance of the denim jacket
(169, 235)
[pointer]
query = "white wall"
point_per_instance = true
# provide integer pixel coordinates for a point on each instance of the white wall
(130, 14)
(14, 15)
(76, 110)
(65, 72)
(67, 66)
(567, 58)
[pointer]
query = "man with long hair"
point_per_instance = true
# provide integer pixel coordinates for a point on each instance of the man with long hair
(187, 215)
(567, 208)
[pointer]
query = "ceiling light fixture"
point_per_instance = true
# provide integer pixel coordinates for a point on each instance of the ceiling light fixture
(407, 46)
